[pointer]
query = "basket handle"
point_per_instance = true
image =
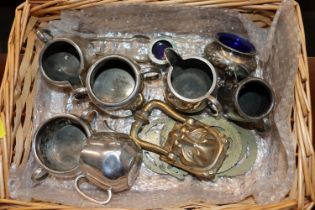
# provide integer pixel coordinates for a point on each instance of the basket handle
(81, 179)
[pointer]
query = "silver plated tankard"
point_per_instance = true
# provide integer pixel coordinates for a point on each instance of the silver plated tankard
(249, 101)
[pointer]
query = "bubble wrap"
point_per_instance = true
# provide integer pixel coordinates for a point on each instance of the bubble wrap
(191, 28)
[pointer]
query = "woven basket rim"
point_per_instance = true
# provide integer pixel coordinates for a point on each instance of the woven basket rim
(16, 92)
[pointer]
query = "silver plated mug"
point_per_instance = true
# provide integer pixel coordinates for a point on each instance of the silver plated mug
(111, 161)
(189, 83)
(249, 101)
(64, 60)
(232, 54)
(57, 144)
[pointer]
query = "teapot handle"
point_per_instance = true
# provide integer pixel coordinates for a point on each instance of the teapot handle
(79, 180)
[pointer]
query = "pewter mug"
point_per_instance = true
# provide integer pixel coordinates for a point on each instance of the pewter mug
(250, 100)
(114, 82)
(232, 55)
(57, 145)
(189, 83)
(63, 60)
(111, 161)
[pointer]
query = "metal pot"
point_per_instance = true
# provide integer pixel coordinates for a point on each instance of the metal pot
(189, 83)
(114, 82)
(248, 101)
(63, 60)
(111, 161)
(57, 144)
(233, 55)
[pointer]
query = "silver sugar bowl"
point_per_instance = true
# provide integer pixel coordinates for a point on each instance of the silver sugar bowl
(232, 55)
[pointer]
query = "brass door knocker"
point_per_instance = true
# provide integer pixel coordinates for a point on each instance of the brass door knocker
(191, 145)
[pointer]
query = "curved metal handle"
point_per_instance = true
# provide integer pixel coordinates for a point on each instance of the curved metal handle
(142, 118)
(79, 180)
(263, 125)
(215, 106)
(39, 175)
(79, 94)
(151, 73)
(89, 116)
(44, 35)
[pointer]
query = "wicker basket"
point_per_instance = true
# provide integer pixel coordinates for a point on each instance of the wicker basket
(16, 97)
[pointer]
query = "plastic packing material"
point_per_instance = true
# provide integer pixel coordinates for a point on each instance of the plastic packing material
(191, 28)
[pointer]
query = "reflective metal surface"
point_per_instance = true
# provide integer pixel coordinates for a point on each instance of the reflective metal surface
(189, 83)
(110, 161)
(235, 150)
(232, 54)
(157, 48)
(250, 100)
(191, 145)
(247, 159)
(114, 82)
(62, 61)
(57, 145)
(151, 160)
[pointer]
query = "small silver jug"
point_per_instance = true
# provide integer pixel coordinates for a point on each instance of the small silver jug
(111, 161)
(189, 83)
(233, 55)
(63, 61)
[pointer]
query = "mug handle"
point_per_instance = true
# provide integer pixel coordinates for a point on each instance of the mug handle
(89, 116)
(150, 73)
(215, 106)
(263, 125)
(38, 175)
(79, 180)
(79, 93)
(44, 35)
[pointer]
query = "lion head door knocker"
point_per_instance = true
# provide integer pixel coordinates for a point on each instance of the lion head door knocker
(191, 145)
